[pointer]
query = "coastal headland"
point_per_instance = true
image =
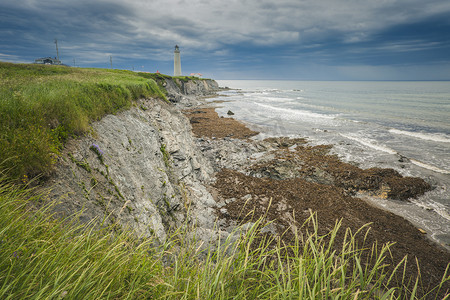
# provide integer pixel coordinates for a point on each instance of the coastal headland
(157, 160)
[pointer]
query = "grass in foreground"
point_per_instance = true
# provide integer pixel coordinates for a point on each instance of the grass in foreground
(42, 106)
(45, 258)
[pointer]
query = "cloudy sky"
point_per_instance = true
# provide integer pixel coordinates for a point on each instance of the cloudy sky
(237, 39)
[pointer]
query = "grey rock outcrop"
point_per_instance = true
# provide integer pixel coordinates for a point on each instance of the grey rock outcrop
(139, 169)
(185, 91)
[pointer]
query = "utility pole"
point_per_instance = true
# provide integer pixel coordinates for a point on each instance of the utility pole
(74, 62)
(57, 52)
(110, 60)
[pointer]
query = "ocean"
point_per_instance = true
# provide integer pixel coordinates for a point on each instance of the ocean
(404, 125)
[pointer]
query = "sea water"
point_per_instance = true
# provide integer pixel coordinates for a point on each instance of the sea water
(402, 125)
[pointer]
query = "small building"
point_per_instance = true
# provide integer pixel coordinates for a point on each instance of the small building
(48, 61)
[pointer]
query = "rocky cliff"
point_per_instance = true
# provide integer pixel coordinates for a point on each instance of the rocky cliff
(139, 168)
(178, 89)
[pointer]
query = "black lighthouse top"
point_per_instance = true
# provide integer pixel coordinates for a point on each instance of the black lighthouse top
(177, 49)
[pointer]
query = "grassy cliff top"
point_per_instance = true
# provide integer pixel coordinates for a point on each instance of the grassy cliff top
(42, 106)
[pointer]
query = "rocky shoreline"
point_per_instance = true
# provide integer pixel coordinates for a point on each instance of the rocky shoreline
(160, 166)
(286, 180)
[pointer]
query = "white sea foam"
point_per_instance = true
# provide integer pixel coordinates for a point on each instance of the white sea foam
(432, 205)
(296, 112)
(313, 106)
(369, 143)
(429, 167)
(424, 136)
(264, 98)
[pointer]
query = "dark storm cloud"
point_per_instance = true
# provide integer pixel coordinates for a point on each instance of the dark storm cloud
(77, 24)
(246, 36)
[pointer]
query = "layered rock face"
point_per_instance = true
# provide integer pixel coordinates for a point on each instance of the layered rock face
(139, 168)
(177, 89)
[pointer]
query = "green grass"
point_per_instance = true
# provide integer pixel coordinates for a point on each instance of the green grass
(42, 257)
(187, 78)
(42, 106)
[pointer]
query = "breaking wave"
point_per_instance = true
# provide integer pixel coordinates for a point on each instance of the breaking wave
(369, 143)
(424, 136)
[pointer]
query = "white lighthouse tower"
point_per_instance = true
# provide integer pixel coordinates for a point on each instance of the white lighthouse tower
(176, 62)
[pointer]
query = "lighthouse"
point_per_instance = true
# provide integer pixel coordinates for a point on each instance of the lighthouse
(176, 62)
